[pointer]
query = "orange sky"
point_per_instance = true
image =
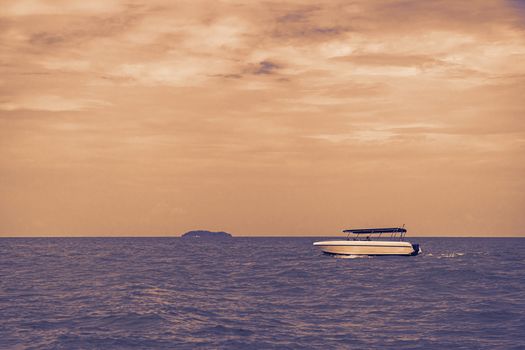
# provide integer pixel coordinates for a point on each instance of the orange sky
(261, 118)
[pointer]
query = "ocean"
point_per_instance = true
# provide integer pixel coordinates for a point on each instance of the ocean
(258, 293)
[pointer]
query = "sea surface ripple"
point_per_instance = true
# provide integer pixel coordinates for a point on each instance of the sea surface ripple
(258, 293)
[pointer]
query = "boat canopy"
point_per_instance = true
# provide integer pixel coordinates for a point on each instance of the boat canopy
(359, 231)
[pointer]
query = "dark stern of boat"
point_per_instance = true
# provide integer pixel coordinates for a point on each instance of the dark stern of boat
(415, 246)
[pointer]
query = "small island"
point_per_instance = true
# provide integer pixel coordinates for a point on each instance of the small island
(206, 234)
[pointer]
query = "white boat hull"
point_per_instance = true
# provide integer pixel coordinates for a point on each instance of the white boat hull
(368, 247)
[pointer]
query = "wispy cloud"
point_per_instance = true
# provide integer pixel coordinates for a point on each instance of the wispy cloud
(52, 103)
(265, 67)
(59, 7)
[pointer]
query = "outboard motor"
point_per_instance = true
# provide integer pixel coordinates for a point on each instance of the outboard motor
(416, 251)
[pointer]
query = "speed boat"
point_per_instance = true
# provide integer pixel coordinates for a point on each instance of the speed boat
(387, 241)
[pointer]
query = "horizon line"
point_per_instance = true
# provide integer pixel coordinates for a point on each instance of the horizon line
(245, 236)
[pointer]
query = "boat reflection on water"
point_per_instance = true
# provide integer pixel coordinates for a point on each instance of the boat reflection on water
(387, 241)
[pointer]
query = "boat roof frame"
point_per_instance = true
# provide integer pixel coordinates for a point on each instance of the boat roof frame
(372, 231)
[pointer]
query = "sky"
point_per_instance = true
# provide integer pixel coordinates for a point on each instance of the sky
(125, 118)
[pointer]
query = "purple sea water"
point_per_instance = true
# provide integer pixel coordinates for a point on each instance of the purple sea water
(258, 293)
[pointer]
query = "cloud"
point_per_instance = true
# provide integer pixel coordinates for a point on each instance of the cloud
(265, 67)
(179, 71)
(67, 65)
(386, 59)
(58, 7)
(362, 136)
(52, 103)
